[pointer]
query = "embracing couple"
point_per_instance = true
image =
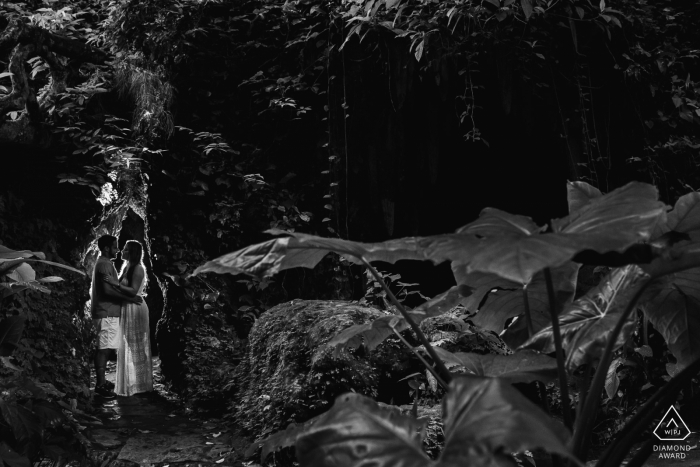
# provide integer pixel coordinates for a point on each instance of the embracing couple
(121, 318)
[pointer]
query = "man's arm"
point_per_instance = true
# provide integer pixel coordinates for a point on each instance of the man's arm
(114, 293)
(101, 272)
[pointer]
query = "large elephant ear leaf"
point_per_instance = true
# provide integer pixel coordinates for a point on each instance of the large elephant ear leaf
(614, 221)
(510, 302)
(580, 194)
(685, 216)
(490, 414)
(587, 324)
(673, 308)
(359, 431)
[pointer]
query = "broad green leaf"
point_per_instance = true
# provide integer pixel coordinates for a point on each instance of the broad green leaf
(524, 366)
(481, 284)
(359, 431)
(612, 381)
(50, 279)
(580, 194)
(504, 244)
(685, 216)
(302, 250)
(7, 253)
(614, 221)
(371, 334)
(490, 413)
(440, 304)
(11, 458)
(672, 306)
(282, 439)
(587, 323)
(23, 273)
(10, 333)
(527, 8)
(22, 421)
(509, 303)
(494, 222)
(611, 222)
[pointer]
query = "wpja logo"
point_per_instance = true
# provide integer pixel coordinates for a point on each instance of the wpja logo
(672, 428)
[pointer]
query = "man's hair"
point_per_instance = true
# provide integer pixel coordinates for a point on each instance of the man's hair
(105, 241)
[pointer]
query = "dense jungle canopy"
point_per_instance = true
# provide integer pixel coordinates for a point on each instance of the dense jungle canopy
(195, 125)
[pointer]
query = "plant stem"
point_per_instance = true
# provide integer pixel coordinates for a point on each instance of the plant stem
(441, 368)
(528, 316)
(420, 357)
(584, 424)
(561, 370)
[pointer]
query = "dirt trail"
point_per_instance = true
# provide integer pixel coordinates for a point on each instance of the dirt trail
(155, 430)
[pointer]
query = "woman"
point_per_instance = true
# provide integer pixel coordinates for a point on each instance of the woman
(134, 366)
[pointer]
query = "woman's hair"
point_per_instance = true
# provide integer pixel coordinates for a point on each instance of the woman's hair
(129, 264)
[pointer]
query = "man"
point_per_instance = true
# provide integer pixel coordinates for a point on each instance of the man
(106, 303)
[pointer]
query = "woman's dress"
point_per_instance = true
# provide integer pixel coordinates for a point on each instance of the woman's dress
(134, 365)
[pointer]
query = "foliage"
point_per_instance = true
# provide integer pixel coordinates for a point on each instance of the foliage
(587, 331)
(35, 419)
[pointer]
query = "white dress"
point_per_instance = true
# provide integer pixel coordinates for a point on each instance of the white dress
(134, 365)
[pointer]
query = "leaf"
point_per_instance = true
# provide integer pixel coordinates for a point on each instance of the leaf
(612, 381)
(527, 8)
(494, 222)
(587, 323)
(499, 243)
(7, 253)
(490, 413)
(23, 273)
(672, 305)
(580, 194)
(685, 216)
(50, 279)
(440, 304)
(371, 334)
(279, 440)
(614, 221)
(359, 430)
(24, 424)
(12, 458)
(580, 12)
(509, 303)
(10, 333)
(419, 50)
(524, 366)
(645, 351)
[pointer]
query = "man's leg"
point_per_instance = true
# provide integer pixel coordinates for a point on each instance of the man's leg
(101, 365)
(105, 333)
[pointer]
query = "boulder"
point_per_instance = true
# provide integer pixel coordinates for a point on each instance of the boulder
(290, 374)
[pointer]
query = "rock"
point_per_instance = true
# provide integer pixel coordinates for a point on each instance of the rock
(289, 374)
(152, 448)
(107, 439)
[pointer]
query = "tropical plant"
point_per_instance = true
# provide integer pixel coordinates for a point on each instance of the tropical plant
(655, 254)
(33, 424)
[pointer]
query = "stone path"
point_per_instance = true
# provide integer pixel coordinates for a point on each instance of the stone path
(154, 430)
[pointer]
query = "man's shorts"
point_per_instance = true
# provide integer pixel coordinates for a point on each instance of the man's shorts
(108, 333)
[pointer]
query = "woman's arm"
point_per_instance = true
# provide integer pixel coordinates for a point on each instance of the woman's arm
(131, 289)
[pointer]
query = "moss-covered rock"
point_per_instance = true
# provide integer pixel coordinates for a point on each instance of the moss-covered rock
(289, 373)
